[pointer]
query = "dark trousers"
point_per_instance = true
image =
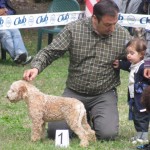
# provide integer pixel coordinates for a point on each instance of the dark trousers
(141, 120)
(101, 110)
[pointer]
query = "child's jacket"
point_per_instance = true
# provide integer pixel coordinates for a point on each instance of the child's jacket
(140, 82)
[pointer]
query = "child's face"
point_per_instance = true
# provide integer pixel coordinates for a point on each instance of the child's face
(132, 55)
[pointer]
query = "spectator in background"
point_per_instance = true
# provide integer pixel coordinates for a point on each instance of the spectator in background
(130, 6)
(11, 39)
(119, 3)
(145, 9)
(134, 7)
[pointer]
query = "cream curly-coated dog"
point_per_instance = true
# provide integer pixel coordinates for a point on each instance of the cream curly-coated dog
(43, 108)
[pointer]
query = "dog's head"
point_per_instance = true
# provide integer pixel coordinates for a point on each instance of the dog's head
(17, 91)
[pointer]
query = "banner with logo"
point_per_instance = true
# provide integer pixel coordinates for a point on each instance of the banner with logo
(134, 20)
(63, 18)
(39, 20)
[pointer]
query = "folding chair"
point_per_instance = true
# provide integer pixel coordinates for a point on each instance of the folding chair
(56, 6)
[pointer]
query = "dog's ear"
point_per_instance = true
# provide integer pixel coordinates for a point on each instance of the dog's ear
(23, 92)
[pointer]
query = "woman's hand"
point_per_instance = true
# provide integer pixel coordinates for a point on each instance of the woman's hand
(3, 11)
(147, 73)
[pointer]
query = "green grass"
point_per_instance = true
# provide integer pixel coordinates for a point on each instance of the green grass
(15, 123)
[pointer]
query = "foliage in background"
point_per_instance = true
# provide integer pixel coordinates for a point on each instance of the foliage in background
(15, 123)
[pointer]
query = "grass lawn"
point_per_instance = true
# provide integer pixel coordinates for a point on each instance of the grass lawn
(15, 123)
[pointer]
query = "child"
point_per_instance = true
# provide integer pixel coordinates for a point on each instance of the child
(137, 82)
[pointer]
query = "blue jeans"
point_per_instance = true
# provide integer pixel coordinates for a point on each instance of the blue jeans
(12, 42)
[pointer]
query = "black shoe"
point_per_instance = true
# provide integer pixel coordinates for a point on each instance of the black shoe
(28, 60)
(20, 58)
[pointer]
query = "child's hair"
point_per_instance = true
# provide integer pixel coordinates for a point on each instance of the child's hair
(145, 100)
(140, 45)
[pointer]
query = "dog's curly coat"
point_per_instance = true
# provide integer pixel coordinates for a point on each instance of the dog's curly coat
(43, 108)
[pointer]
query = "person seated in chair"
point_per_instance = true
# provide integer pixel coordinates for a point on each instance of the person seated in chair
(11, 39)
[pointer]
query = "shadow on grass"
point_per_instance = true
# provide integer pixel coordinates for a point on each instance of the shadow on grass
(8, 62)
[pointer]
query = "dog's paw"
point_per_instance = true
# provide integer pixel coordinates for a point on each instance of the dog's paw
(84, 143)
(35, 139)
(93, 138)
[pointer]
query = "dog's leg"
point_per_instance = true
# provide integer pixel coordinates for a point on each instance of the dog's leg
(86, 126)
(78, 129)
(74, 121)
(43, 131)
(37, 129)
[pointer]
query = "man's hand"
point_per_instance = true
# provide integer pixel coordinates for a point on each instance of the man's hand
(3, 11)
(147, 73)
(116, 64)
(30, 74)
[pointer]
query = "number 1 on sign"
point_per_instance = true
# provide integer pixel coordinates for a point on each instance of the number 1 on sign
(61, 137)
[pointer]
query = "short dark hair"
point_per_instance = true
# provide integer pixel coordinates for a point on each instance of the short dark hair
(139, 45)
(105, 7)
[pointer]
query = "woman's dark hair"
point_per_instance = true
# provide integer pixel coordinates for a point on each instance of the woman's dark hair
(139, 45)
(105, 7)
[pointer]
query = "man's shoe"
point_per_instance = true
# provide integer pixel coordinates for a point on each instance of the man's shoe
(28, 60)
(20, 58)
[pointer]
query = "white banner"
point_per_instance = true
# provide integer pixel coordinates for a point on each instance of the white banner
(134, 20)
(39, 20)
(62, 18)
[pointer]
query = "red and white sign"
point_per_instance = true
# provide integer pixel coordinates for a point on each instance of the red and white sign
(89, 7)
